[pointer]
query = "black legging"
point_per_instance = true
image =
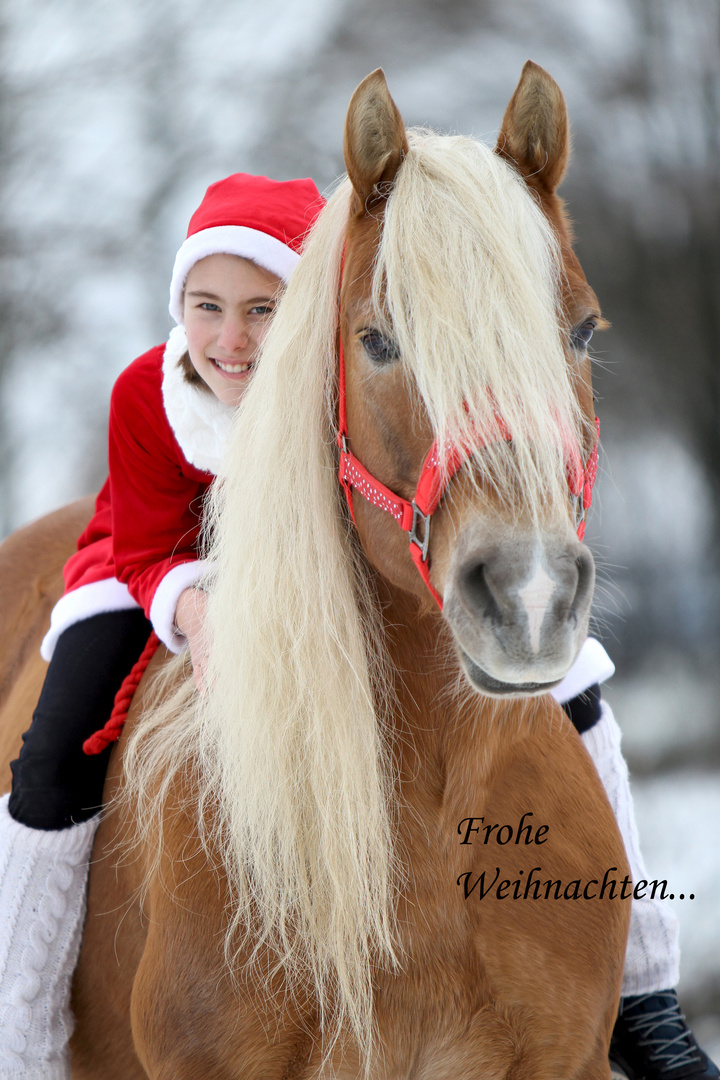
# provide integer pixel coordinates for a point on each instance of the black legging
(54, 783)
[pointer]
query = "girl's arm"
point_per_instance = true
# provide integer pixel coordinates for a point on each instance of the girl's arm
(156, 499)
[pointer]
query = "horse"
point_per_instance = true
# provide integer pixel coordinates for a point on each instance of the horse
(365, 850)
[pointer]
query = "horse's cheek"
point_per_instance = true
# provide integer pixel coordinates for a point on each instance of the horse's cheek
(386, 547)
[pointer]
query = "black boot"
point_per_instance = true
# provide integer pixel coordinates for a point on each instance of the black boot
(651, 1041)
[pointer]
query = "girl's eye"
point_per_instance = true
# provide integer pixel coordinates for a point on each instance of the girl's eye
(262, 309)
(207, 306)
(379, 348)
(580, 337)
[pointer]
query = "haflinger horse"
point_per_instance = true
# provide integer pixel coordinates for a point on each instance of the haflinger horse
(288, 882)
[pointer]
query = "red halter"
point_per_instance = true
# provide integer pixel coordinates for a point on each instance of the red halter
(436, 473)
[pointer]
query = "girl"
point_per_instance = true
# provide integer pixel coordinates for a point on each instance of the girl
(134, 570)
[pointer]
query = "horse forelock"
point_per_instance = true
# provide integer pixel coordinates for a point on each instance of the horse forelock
(469, 279)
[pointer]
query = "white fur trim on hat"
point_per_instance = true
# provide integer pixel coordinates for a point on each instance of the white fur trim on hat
(260, 247)
(593, 665)
(165, 601)
(93, 599)
(199, 420)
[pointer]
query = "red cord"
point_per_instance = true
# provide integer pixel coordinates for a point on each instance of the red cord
(123, 700)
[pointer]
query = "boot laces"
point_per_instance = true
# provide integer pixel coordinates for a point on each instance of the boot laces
(665, 1033)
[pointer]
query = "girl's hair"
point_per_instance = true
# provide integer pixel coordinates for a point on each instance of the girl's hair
(190, 375)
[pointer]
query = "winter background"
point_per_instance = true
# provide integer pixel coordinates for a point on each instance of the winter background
(115, 116)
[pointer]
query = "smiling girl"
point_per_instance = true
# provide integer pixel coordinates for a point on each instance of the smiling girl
(135, 569)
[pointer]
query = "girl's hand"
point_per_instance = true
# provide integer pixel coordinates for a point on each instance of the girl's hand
(190, 621)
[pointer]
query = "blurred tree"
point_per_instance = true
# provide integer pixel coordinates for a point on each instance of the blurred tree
(669, 279)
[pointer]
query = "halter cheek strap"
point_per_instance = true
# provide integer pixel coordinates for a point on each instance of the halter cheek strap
(437, 471)
(414, 516)
(581, 481)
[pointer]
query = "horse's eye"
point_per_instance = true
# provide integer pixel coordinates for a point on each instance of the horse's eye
(580, 337)
(379, 348)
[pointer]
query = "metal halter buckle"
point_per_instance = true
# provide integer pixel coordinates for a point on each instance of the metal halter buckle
(423, 544)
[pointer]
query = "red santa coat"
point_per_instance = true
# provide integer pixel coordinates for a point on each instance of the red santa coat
(141, 547)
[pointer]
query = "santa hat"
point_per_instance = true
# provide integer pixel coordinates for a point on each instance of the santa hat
(251, 216)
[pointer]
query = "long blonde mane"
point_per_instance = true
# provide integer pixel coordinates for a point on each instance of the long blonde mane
(290, 745)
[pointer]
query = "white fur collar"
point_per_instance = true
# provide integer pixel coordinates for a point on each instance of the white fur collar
(199, 421)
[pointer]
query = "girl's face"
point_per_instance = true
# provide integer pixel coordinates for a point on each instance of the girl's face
(227, 306)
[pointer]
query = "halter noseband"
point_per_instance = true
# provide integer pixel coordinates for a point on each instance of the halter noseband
(436, 472)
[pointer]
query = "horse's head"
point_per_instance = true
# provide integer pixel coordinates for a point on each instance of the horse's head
(465, 318)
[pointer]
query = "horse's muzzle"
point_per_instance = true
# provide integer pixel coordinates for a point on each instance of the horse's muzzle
(519, 609)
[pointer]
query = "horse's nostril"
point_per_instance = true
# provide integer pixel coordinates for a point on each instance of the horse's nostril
(585, 583)
(478, 594)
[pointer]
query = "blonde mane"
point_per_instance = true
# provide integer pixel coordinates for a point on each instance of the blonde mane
(289, 747)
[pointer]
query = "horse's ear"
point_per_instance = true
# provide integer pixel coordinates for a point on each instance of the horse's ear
(374, 144)
(534, 136)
